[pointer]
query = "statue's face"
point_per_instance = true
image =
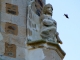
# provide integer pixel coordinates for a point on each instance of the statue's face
(49, 10)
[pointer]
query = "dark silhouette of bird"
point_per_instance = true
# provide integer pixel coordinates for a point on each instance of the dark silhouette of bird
(66, 15)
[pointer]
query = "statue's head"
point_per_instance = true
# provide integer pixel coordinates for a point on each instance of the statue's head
(47, 9)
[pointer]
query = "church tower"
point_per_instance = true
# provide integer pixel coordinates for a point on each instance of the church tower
(20, 32)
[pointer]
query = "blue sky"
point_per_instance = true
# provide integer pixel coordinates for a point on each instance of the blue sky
(69, 29)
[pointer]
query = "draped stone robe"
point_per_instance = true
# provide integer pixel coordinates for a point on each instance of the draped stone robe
(48, 28)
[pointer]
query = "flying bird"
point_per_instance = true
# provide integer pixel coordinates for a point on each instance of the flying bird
(66, 15)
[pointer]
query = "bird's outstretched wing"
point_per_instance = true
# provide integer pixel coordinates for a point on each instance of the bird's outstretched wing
(66, 15)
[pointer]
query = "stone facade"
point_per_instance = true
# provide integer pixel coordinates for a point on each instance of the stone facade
(13, 29)
(20, 29)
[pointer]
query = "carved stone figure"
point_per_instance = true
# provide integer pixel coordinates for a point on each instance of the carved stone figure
(49, 25)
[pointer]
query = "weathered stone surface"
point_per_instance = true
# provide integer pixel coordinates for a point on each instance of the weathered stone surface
(22, 12)
(6, 37)
(19, 41)
(43, 54)
(51, 55)
(3, 5)
(31, 20)
(22, 7)
(22, 53)
(36, 54)
(19, 20)
(21, 31)
(12, 39)
(9, 58)
(26, 18)
(6, 1)
(10, 50)
(1, 37)
(5, 17)
(0, 8)
(3, 26)
(20, 3)
(2, 48)
(48, 47)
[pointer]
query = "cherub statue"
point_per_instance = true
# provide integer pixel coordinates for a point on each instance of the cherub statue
(49, 25)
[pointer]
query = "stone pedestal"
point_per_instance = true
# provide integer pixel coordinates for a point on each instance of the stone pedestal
(45, 51)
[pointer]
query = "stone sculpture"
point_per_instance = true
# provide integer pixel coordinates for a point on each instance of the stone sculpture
(49, 25)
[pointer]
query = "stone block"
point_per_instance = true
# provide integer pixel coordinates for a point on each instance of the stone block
(13, 39)
(7, 27)
(51, 55)
(36, 54)
(22, 11)
(11, 9)
(22, 6)
(19, 41)
(6, 37)
(22, 53)
(0, 7)
(44, 51)
(20, 3)
(10, 50)
(3, 5)
(3, 26)
(2, 48)
(6, 1)
(21, 31)
(9, 58)
(43, 54)
(11, 28)
(5, 17)
(18, 20)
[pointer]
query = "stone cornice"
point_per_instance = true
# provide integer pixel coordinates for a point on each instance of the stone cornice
(36, 42)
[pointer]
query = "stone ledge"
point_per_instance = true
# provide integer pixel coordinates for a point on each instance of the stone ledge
(40, 42)
(50, 45)
(37, 42)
